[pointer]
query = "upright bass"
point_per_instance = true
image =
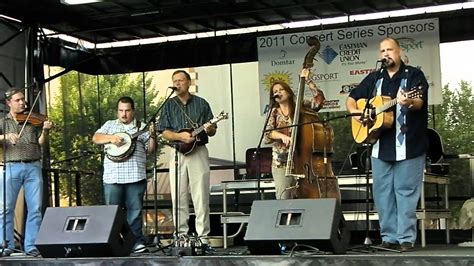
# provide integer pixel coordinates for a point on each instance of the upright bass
(309, 156)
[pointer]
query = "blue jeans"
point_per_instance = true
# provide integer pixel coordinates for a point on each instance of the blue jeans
(130, 197)
(29, 176)
(396, 188)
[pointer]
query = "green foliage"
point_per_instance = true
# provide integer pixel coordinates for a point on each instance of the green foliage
(343, 143)
(452, 120)
(81, 106)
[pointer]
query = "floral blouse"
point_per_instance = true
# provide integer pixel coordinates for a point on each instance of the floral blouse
(277, 120)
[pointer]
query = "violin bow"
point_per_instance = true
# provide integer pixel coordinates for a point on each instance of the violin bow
(29, 114)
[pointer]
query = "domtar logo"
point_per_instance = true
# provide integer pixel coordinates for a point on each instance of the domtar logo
(328, 55)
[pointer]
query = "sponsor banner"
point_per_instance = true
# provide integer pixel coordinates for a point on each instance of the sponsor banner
(346, 56)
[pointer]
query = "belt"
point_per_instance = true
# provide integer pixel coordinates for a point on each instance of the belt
(23, 161)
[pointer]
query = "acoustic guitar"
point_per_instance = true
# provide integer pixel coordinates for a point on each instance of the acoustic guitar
(187, 148)
(379, 118)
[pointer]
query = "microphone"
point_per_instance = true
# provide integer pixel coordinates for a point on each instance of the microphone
(275, 96)
(384, 61)
(173, 88)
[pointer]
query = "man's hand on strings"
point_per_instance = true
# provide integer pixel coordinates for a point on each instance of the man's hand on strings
(47, 125)
(12, 137)
(186, 137)
(117, 140)
(403, 99)
(210, 129)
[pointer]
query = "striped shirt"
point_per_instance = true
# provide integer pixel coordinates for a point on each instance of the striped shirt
(174, 116)
(27, 148)
(416, 142)
(133, 169)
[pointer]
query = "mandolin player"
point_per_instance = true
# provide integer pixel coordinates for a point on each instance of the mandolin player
(398, 154)
(186, 110)
(125, 179)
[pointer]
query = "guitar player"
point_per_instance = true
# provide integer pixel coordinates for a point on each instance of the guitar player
(125, 180)
(398, 155)
(186, 110)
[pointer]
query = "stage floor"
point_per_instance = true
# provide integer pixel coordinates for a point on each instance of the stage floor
(430, 255)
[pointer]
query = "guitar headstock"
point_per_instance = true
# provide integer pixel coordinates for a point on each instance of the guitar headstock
(415, 92)
(219, 117)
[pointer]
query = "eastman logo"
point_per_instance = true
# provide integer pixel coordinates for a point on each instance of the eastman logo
(361, 71)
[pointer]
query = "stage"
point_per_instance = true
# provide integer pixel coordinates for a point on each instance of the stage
(430, 255)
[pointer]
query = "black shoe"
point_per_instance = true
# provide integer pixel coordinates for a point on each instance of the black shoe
(34, 253)
(406, 246)
(389, 245)
(207, 249)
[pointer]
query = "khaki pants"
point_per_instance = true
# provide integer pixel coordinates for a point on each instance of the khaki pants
(193, 176)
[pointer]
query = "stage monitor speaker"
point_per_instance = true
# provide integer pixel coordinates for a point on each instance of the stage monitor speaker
(89, 231)
(315, 222)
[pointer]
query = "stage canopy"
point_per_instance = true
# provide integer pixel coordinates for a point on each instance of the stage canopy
(125, 20)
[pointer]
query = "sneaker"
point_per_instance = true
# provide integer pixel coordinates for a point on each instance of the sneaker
(406, 246)
(7, 252)
(140, 248)
(33, 252)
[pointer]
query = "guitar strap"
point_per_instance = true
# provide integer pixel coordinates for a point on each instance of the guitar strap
(191, 121)
(138, 125)
(400, 126)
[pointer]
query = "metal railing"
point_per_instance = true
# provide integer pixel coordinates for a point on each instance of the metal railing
(56, 182)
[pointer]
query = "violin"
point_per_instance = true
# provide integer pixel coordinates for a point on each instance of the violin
(34, 118)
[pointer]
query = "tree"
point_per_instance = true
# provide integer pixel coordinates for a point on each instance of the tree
(82, 105)
(452, 120)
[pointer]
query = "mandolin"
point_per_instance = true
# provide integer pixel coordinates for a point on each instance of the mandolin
(187, 148)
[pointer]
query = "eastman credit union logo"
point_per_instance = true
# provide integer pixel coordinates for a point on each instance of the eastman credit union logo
(328, 55)
(272, 77)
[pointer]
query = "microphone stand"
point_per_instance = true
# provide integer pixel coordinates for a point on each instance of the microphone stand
(256, 154)
(156, 240)
(177, 250)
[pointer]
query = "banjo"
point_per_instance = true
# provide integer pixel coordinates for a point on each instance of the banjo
(118, 153)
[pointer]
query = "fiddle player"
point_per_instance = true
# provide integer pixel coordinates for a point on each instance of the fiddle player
(398, 156)
(125, 181)
(23, 168)
(283, 101)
